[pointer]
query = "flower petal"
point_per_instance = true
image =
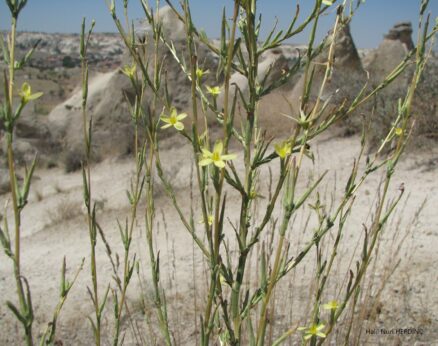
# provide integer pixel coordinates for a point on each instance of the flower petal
(205, 162)
(181, 116)
(219, 164)
(35, 96)
(166, 126)
(321, 335)
(165, 119)
(26, 89)
(307, 336)
(179, 126)
(218, 147)
(206, 152)
(228, 157)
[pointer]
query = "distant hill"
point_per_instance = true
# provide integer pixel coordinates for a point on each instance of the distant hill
(62, 50)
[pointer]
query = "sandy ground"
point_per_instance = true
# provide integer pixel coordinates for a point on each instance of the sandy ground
(54, 226)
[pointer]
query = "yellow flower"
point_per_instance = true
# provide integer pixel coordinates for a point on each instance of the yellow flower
(313, 330)
(201, 73)
(331, 305)
(174, 120)
(327, 2)
(283, 149)
(210, 220)
(129, 70)
(216, 156)
(26, 93)
(222, 280)
(214, 91)
(398, 131)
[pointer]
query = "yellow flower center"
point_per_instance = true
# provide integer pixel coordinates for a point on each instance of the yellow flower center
(216, 157)
(173, 120)
(210, 220)
(199, 73)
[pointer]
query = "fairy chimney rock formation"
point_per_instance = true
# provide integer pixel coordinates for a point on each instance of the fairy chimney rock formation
(346, 55)
(380, 63)
(348, 76)
(401, 32)
(172, 27)
(391, 51)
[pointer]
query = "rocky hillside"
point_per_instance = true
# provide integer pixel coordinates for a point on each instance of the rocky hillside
(54, 68)
(62, 50)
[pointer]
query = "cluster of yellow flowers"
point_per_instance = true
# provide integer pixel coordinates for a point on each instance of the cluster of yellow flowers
(215, 157)
(283, 149)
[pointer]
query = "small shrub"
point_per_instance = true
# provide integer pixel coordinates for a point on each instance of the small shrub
(66, 210)
(69, 62)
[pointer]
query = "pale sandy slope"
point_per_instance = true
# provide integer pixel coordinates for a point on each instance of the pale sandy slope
(54, 227)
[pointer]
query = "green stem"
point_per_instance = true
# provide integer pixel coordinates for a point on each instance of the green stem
(13, 185)
(86, 128)
(215, 258)
(150, 207)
